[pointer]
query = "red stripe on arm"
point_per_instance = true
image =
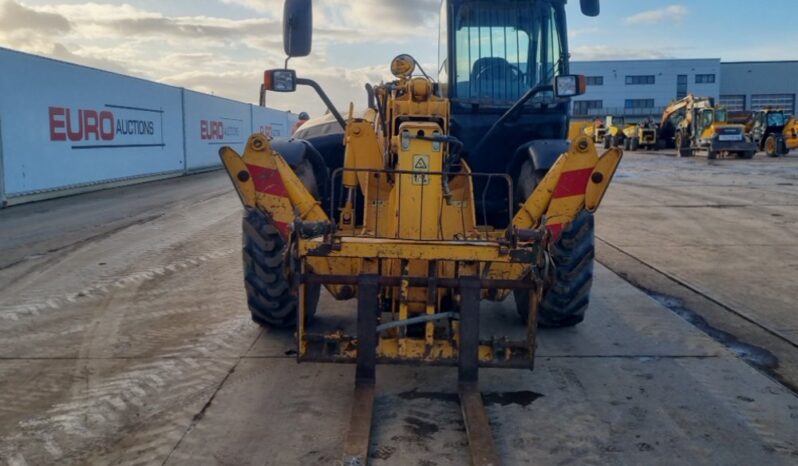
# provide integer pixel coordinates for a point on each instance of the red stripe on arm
(284, 228)
(572, 183)
(267, 181)
(555, 229)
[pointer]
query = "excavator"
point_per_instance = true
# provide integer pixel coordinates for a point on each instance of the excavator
(696, 126)
(773, 132)
(438, 195)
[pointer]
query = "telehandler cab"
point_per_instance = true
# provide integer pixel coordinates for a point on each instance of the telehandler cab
(438, 195)
(773, 132)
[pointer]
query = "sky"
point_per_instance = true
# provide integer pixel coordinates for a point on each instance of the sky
(223, 46)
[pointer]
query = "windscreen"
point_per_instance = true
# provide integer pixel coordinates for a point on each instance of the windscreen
(776, 119)
(503, 48)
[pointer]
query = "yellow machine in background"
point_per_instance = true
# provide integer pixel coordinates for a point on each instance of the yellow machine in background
(597, 132)
(697, 126)
(773, 132)
(791, 134)
(615, 131)
(608, 132)
(641, 135)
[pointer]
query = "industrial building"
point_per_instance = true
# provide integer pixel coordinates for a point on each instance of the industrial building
(641, 88)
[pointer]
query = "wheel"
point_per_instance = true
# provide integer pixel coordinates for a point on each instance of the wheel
(270, 298)
(772, 146)
(565, 303)
(635, 144)
(746, 155)
(627, 144)
(712, 155)
(607, 142)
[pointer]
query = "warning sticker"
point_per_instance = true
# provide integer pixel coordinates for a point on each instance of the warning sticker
(420, 164)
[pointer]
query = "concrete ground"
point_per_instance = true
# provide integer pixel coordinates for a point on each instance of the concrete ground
(124, 339)
(721, 234)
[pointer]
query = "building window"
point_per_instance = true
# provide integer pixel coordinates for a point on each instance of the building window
(784, 102)
(638, 80)
(733, 103)
(583, 107)
(595, 80)
(681, 86)
(705, 79)
(639, 103)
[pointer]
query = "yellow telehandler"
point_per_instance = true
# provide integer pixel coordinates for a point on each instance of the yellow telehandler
(773, 132)
(435, 197)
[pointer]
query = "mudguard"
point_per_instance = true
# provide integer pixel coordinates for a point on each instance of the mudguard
(544, 152)
(307, 163)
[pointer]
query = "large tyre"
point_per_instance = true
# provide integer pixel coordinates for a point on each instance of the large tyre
(634, 145)
(270, 297)
(627, 144)
(565, 303)
(772, 146)
(607, 141)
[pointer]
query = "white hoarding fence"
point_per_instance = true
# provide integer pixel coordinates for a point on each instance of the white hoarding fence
(210, 123)
(272, 122)
(65, 126)
(69, 127)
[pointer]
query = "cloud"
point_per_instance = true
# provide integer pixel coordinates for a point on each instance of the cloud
(360, 17)
(222, 55)
(14, 17)
(671, 14)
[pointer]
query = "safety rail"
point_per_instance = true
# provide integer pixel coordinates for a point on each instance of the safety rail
(444, 177)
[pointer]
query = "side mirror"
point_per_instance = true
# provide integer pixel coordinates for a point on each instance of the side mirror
(279, 80)
(590, 7)
(297, 27)
(570, 85)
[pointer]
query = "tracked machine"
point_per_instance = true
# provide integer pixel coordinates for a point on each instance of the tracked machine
(697, 126)
(437, 196)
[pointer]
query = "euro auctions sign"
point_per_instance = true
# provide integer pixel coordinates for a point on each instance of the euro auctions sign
(109, 127)
(228, 130)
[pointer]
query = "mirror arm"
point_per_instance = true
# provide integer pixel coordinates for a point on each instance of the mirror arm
(324, 98)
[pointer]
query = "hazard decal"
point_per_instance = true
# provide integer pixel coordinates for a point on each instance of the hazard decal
(421, 164)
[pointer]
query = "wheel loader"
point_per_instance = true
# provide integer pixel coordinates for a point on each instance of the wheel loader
(440, 194)
(773, 132)
(697, 126)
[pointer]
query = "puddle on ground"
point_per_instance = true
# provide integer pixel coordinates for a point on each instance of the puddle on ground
(521, 398)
